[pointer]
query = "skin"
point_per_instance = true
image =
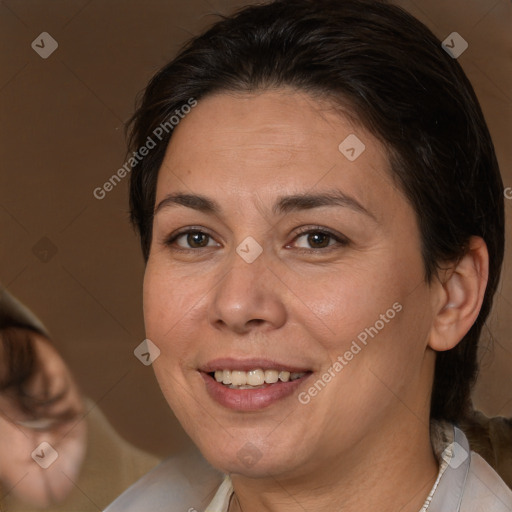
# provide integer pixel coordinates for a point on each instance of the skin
(20, 434)
(301, 304)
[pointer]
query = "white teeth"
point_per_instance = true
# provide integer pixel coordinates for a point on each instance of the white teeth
(271, 376)
(254, 378)
(238, 378)
(226, 379)
(284, 376)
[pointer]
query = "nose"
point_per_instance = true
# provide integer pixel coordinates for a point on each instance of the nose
(248, 298)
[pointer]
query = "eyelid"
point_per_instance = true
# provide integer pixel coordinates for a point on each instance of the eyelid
(171, 239)
(305, 230)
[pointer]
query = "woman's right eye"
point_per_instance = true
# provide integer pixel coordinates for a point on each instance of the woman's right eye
(192, 239)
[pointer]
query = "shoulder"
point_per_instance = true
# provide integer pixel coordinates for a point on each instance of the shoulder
(492, 439)
(184, 482)
(467, 483)
(484, 489)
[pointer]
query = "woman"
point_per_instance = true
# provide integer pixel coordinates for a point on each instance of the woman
(321, 214)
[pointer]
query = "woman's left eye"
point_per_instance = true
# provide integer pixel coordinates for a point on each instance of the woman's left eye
(317, 239)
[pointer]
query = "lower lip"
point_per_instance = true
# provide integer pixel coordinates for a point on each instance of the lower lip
(250, 399)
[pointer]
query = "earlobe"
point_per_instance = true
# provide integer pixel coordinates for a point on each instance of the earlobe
(459, 296)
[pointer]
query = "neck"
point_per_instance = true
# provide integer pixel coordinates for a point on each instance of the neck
(393, 469)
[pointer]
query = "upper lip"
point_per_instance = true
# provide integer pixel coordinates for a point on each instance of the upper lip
(229, 363)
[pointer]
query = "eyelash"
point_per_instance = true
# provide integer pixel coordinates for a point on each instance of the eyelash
(338, 238)
(170, 241)
(341, 241)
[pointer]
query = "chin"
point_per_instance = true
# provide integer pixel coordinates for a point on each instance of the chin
(242, 456)
(250, 468)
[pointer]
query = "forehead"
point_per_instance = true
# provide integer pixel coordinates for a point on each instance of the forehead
(270, 143)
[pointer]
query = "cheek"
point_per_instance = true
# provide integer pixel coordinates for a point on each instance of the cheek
(163, 319)
(161, 296)
(375, 317)
(344, 303)
(171, 303)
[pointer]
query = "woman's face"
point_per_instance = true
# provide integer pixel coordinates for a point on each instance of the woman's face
(278, 247)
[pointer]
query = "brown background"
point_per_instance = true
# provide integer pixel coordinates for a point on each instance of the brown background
(74, 259)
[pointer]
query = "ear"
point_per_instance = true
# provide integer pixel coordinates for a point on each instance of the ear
(458, 296)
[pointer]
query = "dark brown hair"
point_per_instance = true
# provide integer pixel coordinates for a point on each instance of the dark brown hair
(388, 70)
(19, 366)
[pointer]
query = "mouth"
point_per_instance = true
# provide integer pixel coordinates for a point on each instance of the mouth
(251, 385)
(254, 379)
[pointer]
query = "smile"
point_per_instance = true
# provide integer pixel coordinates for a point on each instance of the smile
(251, 385)
(239, 379)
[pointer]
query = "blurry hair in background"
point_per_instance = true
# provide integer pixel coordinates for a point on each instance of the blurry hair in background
(57, 450)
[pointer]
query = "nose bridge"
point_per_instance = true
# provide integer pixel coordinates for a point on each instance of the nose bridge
(246, 296)
(242, 277)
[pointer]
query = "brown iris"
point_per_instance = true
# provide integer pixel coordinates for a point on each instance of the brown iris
(197, 239)
(318, 240)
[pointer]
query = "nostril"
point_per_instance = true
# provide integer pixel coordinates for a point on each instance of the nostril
(255, 321)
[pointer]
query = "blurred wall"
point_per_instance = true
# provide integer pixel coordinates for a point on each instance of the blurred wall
(74, 258)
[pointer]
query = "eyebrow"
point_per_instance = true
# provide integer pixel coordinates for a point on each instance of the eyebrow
(308, 201)
(194, 201)
(283, 205)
